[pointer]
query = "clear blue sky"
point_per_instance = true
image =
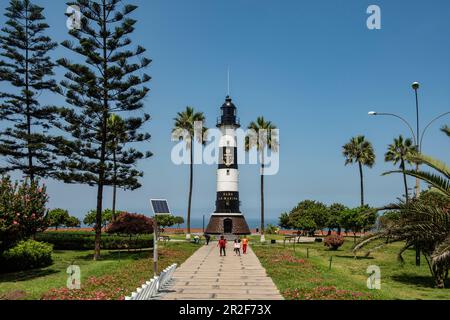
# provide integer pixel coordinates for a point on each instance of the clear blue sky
(312, 67)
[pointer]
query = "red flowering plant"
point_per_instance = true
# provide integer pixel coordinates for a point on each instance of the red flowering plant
(334, 241)
(131, 224)
(22, 210)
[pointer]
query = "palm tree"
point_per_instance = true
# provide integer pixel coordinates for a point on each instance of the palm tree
(399, 151)
(117, 130)
(184, 129)
(361, 151)
(266, 138)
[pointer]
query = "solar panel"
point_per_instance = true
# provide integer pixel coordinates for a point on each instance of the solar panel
(160, 206)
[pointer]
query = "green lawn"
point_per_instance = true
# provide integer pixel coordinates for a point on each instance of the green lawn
(117, 274)
(347, 278)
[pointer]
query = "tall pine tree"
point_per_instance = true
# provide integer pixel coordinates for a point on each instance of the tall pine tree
(110, 80)
(27, 67)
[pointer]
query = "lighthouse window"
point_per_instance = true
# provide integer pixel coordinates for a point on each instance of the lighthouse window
(228, 172)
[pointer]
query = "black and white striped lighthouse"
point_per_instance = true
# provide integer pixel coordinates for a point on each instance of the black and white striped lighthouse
(228, 219)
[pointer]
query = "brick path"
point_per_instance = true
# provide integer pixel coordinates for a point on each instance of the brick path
(206, 275)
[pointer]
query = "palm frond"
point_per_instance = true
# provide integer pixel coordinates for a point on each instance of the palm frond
(434, 180)
(437, 165)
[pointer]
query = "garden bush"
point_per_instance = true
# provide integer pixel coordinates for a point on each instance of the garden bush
(86, 241)
(131, 224)
(334, 241)
(26, 255)
(22, 210)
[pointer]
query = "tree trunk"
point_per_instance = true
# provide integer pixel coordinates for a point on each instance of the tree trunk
(262, 196)
(191, 183)
(27, 102)
(439, 277)
(405, 181)
(101, 176)
(362, 183)
(114, 188)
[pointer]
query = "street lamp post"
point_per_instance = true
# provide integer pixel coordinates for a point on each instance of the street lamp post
(416, 87)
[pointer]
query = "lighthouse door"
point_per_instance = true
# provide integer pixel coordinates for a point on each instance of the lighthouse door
(227, 226)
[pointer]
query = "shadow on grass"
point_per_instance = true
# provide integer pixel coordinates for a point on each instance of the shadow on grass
(357, 257)
(419, 281)
(27, 275)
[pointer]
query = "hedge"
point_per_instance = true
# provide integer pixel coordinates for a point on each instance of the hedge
(86, 241)
(26, 255)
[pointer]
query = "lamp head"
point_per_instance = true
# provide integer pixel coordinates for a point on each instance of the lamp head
(372, 113)
(415, 85)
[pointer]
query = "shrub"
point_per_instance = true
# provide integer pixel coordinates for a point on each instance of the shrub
(334, 241)
(131, 224)
(26, 255)
(22, 211)
(86, 241)
(271, 229)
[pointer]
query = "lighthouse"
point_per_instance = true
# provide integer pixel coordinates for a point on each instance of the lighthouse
(227, 218)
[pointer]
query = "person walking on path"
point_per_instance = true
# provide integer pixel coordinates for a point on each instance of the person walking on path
(222, 246)
(207, 238)
(237, 247)
(244, 245)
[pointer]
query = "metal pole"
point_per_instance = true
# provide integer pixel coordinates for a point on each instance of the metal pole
(203, 223)
(419, 147)
(431, 122)
(416, 86)
(155, 247)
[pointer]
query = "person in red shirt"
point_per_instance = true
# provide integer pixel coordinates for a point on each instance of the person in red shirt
(222, 245)
(244, 245)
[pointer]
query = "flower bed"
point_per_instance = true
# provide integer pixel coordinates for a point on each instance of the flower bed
(124, 281)
(324, 293)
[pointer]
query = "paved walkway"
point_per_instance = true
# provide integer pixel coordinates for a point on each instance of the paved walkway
(206, 275)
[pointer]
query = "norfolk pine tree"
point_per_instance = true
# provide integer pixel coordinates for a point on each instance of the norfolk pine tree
(26, 66)
(107, 82)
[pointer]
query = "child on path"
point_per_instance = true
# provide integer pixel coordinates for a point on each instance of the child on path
(237, 247)
(222, 246)
(244, 245)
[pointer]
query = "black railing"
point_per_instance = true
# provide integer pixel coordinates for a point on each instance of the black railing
(221, 120)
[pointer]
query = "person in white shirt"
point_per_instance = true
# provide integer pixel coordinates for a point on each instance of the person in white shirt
(237, 247)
